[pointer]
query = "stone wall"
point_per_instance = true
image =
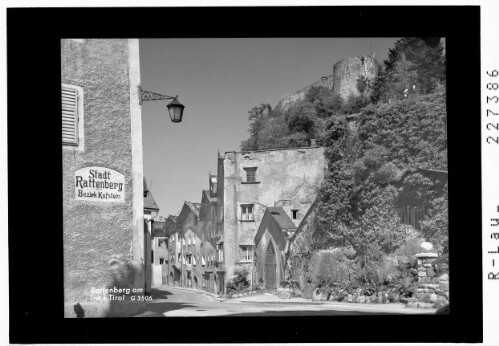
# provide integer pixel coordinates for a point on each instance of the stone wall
(346, 72)
(433, 290)
(343, 80)
(299, 95)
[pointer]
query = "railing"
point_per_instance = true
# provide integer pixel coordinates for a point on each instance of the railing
(411, 216)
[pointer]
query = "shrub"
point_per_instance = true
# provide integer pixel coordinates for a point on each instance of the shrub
(342, 296)
(239, 282)
(391, 297)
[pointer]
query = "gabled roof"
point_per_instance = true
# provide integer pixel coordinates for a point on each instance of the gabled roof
(195, 207)
(281, 217)
(305, 220)
(278, 224)
(206, 193)
(172, 217)
(159, 222)
(149, 202)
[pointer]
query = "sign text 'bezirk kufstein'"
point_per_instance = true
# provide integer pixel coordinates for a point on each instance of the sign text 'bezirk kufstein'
(99, 184)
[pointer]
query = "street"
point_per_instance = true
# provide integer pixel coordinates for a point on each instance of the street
(172, 301)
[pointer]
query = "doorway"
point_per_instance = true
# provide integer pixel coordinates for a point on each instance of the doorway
(270, 267)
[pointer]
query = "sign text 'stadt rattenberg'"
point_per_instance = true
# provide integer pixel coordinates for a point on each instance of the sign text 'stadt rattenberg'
(99, 184)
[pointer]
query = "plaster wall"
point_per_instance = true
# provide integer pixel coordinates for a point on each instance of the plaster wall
(160, 251)
(194, 250)
(103, 242)
(291, 175)
(157, 273)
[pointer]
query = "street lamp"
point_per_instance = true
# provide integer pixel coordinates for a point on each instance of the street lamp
(175, 108)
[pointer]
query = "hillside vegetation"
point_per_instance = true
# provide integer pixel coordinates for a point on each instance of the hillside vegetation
(373, 166)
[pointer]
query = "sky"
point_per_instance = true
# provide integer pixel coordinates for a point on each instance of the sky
(219, 81)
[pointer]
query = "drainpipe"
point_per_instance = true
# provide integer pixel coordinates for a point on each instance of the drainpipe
(252, 263)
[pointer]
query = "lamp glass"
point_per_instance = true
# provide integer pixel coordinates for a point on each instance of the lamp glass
(176, 110)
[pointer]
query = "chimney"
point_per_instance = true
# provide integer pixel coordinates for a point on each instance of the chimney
(313, 142)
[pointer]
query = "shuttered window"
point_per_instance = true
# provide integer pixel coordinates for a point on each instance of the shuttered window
(69, 115)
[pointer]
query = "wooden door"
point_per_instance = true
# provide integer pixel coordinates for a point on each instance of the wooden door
(270, 268)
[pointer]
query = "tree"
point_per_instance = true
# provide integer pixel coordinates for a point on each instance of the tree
(273, 135)
(257, 117)
(414, 66)
(357, 198)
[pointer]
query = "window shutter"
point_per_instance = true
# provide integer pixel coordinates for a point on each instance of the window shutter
(69, 116)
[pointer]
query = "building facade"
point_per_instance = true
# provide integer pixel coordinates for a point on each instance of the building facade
(159, 252)
(214, 237)
(251, 182)
(272, 242)
(103, 227)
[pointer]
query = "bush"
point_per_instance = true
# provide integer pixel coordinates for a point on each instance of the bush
(342, 296)
(239, 282)
(392, 297)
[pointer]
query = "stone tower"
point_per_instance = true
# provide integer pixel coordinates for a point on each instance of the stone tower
(346, 72)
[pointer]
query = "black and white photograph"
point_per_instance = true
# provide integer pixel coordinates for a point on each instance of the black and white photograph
(225, 172)
(331, 199)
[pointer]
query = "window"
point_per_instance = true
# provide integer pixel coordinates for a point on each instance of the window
(161, 242)
(246, 252)
(295, 214)
(71, 110)
(250, 174)
(247, 212)
(161, 261)
(152, 256)
(188, 259)
(221, 254)
(189, 240)
(193, 240)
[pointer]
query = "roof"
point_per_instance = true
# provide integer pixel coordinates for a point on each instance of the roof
(149, 202)
(210, 199)
(281, 217)
(305, 220)
(158, 224)
(195, 207)
(275, 216)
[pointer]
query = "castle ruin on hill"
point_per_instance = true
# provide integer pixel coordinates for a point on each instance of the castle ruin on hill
(343, 80)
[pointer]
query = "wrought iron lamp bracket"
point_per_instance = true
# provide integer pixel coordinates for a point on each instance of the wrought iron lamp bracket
(145, 95)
